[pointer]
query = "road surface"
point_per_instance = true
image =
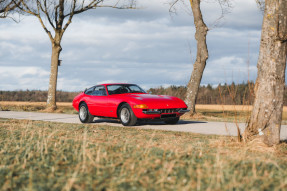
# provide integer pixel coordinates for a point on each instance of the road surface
(202, 127)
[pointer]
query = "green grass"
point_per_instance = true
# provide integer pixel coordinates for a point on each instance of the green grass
(53, 156)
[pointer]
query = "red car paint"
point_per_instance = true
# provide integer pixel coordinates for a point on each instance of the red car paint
(108, 105)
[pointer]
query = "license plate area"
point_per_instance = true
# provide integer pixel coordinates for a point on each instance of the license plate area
(165, 116)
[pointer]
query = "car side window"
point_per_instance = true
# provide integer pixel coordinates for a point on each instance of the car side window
(89, 91)
(99, 91)
(135, 89)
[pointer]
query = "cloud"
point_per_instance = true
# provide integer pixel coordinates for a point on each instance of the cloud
(228, 69)
(148, 46)
(18, 77)
(240, 15)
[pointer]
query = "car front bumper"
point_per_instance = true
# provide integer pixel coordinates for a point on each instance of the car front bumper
(159, 114)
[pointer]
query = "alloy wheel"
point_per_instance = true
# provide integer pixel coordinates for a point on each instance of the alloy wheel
(125, 115)
(83, 113)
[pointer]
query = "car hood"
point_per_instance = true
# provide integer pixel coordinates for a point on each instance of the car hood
(158, 101)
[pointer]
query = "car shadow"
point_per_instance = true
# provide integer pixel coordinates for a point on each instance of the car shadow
(102, 120)
(180, 122)
(152, 122)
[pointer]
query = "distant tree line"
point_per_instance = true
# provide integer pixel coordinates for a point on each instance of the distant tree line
(35, 96)
(232, 94)
(240, 94)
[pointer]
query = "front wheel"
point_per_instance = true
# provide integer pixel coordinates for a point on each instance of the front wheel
(127, 115)
(172, 121)
(84, 114)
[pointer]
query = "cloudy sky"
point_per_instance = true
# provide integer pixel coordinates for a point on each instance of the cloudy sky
(149, 46)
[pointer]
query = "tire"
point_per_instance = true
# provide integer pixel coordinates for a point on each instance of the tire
(84, 114)
(127, 115)
(172, 121)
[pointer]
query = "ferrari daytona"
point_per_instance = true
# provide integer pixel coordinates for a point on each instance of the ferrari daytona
(127, 102)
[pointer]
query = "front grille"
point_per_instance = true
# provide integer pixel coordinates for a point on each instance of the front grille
(162, 111)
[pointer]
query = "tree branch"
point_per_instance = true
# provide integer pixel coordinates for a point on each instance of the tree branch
(71, 16)
(43, 25)
(56, 14)
(46, 11)
(83, 8)
(26, 9)
(5, 8)
(61, 15)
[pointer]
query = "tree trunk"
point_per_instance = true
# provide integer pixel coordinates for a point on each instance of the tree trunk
(201, 57)
(51, 101)
(266, 116)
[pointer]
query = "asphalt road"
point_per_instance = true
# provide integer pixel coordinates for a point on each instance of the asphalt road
(202, 127)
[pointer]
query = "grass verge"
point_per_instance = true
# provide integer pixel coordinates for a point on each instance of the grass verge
(53, 156)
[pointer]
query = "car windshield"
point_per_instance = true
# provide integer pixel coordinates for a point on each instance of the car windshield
(124, 88)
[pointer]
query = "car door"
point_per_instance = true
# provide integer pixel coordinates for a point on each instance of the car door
(113, 100)
(97, 101)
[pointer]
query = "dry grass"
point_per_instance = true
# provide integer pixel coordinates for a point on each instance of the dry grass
(228, 107)
(224, 107)
(228, 113)
(53, 156)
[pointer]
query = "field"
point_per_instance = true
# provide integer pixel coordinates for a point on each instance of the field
(63, 107)
(53, 156)
(229, 113)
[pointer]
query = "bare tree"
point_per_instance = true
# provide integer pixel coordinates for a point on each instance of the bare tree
(7, 6)
(59, 15)
(266, 116)
(202, 51)
(201, 56)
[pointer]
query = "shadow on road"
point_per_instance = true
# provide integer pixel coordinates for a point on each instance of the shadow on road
(189, 122)
(181, 122)
(106, 121)
(152, 122)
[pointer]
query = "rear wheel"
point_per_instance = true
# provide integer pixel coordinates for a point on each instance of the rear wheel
(84, 114)
(127, 115)
(172, 121)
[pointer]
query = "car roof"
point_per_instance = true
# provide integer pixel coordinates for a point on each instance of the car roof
(109, 84)
(113, 84)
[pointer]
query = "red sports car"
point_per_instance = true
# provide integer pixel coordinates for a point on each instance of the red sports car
(127, 102)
